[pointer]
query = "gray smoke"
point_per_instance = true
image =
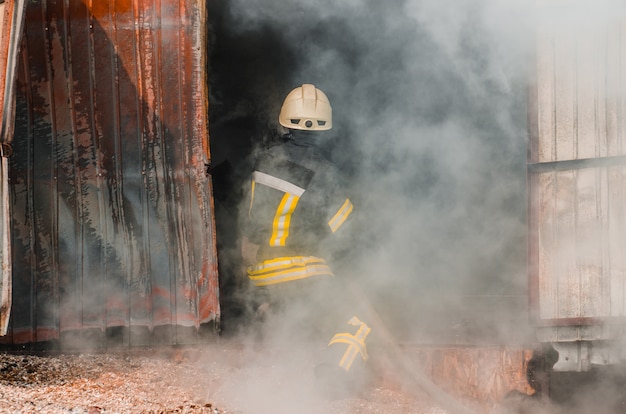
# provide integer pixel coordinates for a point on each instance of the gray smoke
(429, 104)
(430, 107)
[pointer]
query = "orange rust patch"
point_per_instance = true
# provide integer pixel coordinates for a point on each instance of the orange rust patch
(100, 8)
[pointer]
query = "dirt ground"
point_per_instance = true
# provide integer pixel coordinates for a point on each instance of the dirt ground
(216, 379)
(235, 378)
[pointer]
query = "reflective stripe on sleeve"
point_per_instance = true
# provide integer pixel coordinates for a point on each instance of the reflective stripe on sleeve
(251, 198)
(340, 217)
(286, 269)
(277, 183)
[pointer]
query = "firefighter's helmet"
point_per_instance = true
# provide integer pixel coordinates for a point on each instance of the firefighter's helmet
(306, 108)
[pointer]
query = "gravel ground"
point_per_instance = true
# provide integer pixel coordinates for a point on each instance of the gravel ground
(123, 382)
(217, 378)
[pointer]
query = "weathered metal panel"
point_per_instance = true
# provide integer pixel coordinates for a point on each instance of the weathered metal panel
(11, 22)
(11, 19)
(114, 218)
(577, 180)
(5, 248)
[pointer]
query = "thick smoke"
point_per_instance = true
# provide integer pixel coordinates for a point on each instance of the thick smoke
(430, 112)
(429, 105)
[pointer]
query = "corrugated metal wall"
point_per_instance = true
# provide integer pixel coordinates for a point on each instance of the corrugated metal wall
(112, 209)
(577, 180)
(11, 21)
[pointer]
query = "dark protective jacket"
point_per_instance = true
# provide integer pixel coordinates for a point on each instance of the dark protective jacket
(296, 206)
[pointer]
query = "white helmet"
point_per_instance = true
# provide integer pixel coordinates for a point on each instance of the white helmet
(306, 108)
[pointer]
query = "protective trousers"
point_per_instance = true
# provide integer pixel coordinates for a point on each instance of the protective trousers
(319, 313)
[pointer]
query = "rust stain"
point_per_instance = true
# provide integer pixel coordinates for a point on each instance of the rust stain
(482, 374)
(100, 9)
(5, 45)
(120, 230)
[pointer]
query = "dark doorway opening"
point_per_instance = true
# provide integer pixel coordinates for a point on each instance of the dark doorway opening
(248, 73)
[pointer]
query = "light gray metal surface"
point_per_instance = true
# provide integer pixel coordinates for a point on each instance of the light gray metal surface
(577, 181)
(5, 253)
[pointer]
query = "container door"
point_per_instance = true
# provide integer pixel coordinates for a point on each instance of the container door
(577, 188)
(113, 231)
(11, 20)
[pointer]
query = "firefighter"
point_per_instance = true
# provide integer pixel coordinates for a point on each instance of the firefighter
(295, 227)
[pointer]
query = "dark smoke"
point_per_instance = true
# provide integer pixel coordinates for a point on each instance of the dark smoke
(429, 112)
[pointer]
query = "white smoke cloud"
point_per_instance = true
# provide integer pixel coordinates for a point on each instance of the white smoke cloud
(430, 107)
(429, 103)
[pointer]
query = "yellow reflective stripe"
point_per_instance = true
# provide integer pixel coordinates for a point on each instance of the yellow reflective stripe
(356, 343)
(251, 198)
(280, 227)
(354, 346)
(340, 217)
(284, 262)
(286, 269)
(348, 358)
(274, 278)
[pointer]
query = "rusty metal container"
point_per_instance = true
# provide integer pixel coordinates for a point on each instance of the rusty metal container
(577, 190)
(11, 23)
(113, 232)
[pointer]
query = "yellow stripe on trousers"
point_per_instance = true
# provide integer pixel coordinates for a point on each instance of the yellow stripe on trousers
(356, 343)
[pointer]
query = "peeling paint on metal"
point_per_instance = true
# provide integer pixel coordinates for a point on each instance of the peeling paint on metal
(11, 20)
(116, 229)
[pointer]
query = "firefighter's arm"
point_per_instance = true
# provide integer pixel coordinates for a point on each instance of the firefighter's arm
(340, 215)
(341, 240)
